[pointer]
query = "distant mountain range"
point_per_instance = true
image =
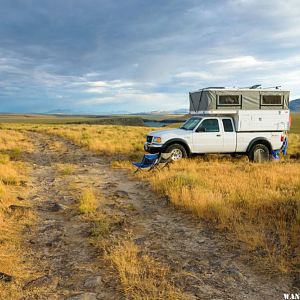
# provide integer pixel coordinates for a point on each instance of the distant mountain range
(168, 112)
(295, 105)
(66, 111)
(181, 111)
(59, 111)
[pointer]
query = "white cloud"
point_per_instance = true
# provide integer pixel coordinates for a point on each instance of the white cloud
(159, 101)
(195, 75)
(110, 86)
(95, 90)
(96, 83)
(192, 77)
(102, 100)
(290, 81)
(238, 62)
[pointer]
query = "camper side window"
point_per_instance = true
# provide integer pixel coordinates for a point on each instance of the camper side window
(271, 100)
(229, 100)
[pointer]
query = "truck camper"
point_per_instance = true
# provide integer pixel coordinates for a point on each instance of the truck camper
(253, 121)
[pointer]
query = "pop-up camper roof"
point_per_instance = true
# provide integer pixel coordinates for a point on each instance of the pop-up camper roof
(253, 98)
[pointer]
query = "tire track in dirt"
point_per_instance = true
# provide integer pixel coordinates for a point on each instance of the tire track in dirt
(210, 267)
(70, 267)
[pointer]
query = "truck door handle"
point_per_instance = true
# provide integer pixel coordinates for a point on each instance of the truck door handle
(218, 134)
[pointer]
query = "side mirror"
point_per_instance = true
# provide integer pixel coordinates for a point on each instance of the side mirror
(201, 129)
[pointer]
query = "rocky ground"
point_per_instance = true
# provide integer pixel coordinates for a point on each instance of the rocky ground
(203, 262)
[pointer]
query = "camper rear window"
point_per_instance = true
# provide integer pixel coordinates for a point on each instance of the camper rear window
(229, 100)
(271, 100)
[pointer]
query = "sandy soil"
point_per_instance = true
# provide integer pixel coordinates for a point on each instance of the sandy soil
(210, 266)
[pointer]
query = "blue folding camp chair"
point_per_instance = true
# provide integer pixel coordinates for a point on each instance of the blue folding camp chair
(149, 161)
(285, 146)
(283, 150)
(275, 154)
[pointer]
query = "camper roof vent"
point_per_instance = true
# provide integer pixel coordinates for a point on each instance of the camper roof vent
(277, 87)
(256, 86)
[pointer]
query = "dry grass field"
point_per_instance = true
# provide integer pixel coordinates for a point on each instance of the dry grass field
(295, 123)
(14, 218)
(257, 205)
(112, 140)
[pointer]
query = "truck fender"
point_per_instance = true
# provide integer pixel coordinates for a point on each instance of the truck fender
(260, 140)
(177, 141)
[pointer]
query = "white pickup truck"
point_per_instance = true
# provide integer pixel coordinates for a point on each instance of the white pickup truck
(251, 121)
(213, 135)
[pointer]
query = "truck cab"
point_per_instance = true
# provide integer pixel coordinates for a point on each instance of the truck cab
(196, 135)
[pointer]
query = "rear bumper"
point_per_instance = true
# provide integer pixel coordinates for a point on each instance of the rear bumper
(152, 148)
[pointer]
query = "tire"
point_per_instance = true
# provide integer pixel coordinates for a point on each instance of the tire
(177, 150)
(259, 153)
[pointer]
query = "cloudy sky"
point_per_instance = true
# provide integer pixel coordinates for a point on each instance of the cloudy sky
(94, 56)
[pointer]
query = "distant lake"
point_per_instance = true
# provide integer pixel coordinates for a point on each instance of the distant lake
(154, 123)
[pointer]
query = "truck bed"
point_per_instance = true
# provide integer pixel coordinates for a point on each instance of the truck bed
(244, 138)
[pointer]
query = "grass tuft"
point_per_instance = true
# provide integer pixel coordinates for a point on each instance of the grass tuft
(101, 227)
(65, 169)
(141, 276)
(4, 158)
(88, 202)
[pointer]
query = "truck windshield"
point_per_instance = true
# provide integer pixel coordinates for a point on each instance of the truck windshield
(191, 123)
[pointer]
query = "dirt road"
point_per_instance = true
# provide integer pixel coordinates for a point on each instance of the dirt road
(71, 268)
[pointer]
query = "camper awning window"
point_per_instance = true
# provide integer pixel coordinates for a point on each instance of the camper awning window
(271, 100)
(229, 100)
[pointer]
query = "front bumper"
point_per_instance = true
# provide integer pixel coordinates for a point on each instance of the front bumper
(152, 148)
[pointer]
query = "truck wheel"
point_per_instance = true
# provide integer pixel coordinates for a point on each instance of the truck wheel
(177, 151)
(259, 153)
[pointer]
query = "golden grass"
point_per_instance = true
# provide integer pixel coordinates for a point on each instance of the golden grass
(65, 169)
(4, 158)
(14, 141)
(8, 174)
(258, 203)
(294, 145)
(141, 276)
(295, 128)
(12, 224)
(88, 201)
(122, 141)
(105, 139)
(58, 147)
